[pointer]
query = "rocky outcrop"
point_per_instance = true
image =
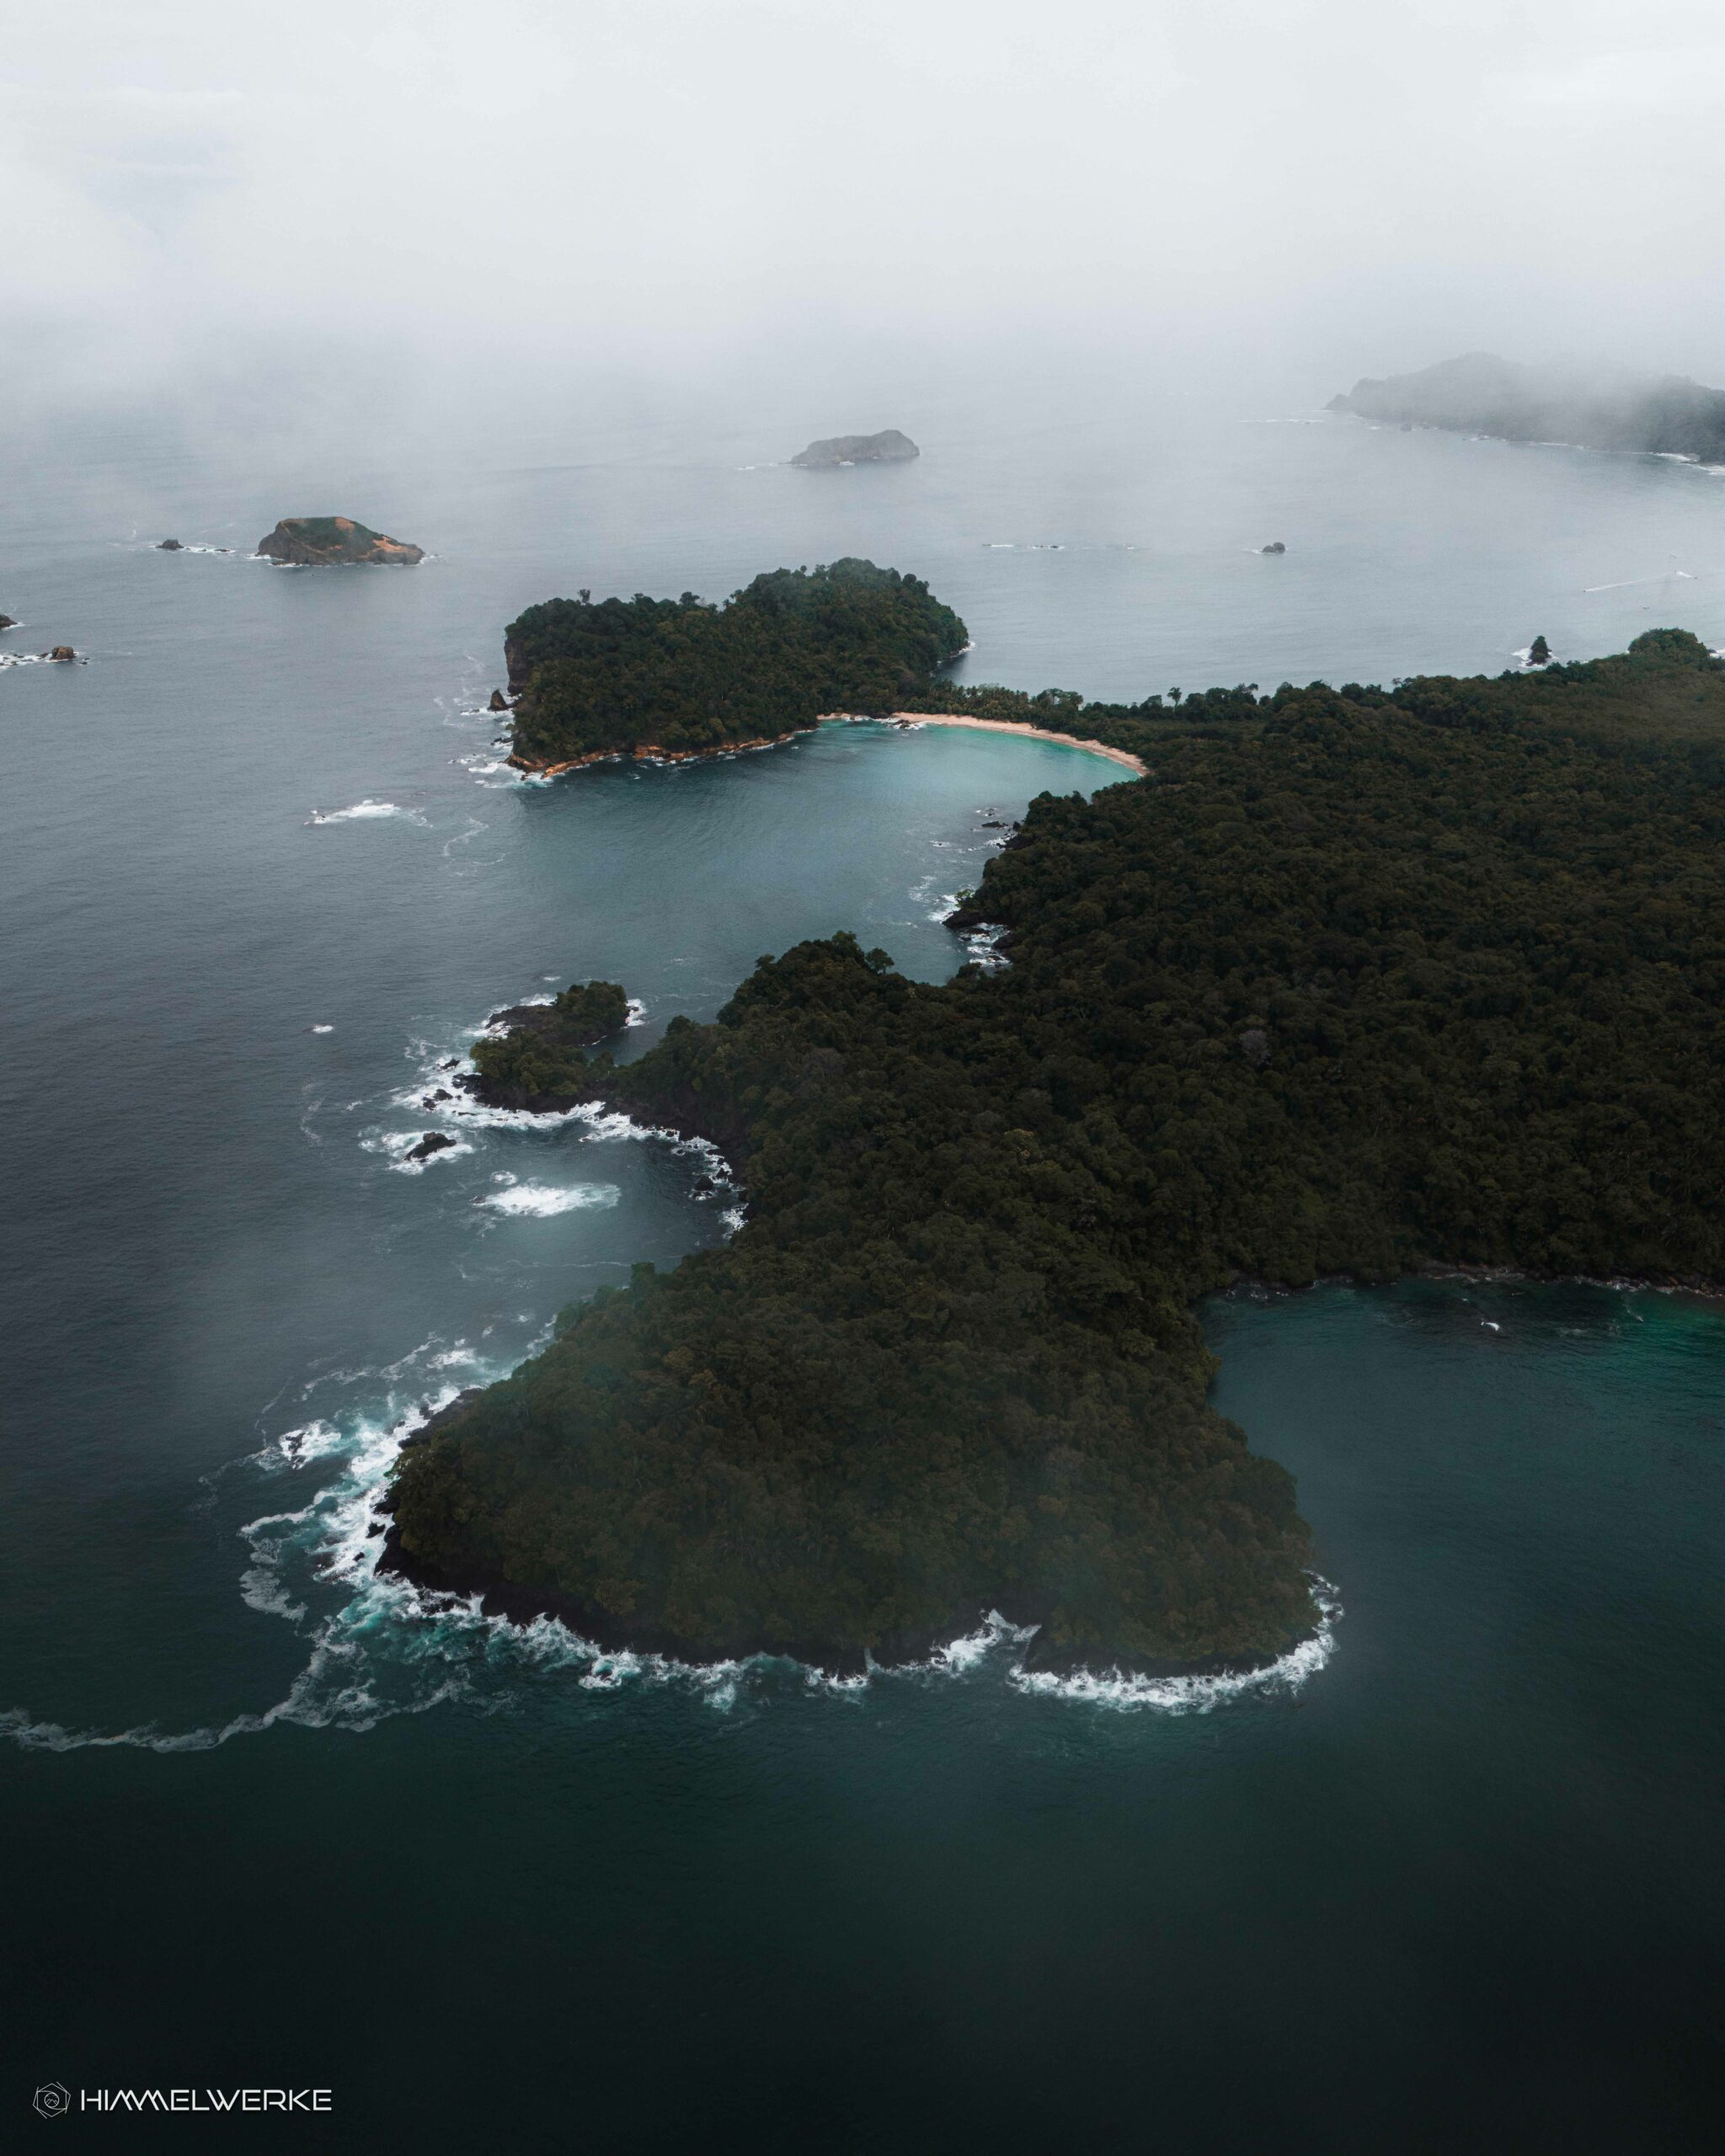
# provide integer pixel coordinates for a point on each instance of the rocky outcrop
(333, 541)
(890, 447)
(498, 700)
(1275, 546)
(434, 1141)
(62, 654)
(169, 547)
(7, 622)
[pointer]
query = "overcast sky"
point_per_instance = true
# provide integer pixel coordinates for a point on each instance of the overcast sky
(1342, 186)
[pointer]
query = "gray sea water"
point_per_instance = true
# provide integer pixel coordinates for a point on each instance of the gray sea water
(1451, 1881)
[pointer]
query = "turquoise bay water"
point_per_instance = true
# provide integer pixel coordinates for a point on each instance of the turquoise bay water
(1458, 1888)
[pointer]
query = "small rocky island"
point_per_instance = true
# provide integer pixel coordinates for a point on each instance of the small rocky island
(889, 447)
(330, 541)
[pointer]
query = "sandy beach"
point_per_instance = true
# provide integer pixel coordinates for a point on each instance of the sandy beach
(648, 751)
(1011, 726)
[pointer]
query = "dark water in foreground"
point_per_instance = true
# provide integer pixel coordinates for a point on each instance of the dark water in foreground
(1457, 1886)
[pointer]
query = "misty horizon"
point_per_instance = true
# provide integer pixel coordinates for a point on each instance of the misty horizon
(649, 208)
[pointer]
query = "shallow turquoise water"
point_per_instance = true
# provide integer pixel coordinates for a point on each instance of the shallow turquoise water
(1458, 1888)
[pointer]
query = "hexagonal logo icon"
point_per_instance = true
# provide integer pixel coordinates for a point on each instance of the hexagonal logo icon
(52, 2100)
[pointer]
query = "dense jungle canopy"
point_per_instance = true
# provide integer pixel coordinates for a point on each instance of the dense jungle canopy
(601, 677)
(1355, 980)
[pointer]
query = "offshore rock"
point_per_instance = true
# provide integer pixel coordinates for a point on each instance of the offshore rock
(333, 542)
(62, 654)
(169, 547)
(434, 1141)
(889, 447)
(498, 700)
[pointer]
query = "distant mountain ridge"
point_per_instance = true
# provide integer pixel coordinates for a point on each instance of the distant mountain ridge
(1480, 394)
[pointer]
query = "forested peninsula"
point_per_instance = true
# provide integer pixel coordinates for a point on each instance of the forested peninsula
(1354, 981)
(1480, 394)
(682, 677)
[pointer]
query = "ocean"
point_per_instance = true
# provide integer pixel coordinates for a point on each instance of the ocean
(1450, 1879)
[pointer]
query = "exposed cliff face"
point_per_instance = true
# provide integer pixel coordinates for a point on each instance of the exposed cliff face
(1480, 394)
(890, 447)
(322, 541)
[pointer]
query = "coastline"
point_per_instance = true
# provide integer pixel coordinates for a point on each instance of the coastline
(1136, 765)
(650, 752)
(1041, 1663)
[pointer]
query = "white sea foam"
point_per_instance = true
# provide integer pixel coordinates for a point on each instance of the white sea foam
(542, 1200)
(1201, 1695)
(365, 811)
(397, 1144)
(300, 1447)
(320, 1029)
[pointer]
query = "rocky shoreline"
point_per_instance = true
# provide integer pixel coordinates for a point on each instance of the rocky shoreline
(650, 752)
(513, 1603)
(681, 1118)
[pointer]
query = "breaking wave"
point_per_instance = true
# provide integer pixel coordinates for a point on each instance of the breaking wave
(542, 1200)
(365, 811)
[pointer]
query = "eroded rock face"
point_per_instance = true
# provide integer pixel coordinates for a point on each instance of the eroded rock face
(889, 447)
(325, 541)
(63, 653)
(498, 700)
(169, 547)
(7, 622)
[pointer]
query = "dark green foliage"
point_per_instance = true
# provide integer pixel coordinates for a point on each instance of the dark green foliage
(1140, 729)
(537, 1063)
(680, 675)
(1363, 981)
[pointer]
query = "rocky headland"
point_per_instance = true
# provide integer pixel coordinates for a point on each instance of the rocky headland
(1480, 394)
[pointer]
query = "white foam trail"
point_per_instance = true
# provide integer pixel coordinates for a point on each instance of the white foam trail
(365, 811)
(543, 1200)
(1633, 583)
(321, 1029)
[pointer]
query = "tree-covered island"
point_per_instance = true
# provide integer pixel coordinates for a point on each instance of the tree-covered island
(1356, 980)
(681, 677)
